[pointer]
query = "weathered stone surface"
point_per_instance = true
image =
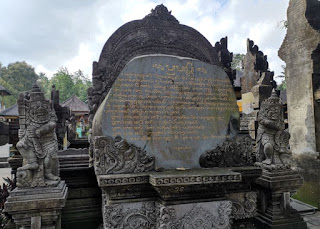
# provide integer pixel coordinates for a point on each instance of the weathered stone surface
(274, 210)
(174, 108)
(206, 215)
(254, 64)
(244, 205)
(298, 51)
(83, 206)
(159, 32)
(115, 156)
(38, 141)
(233, 152)
(45, 203)
(148, 214)
(272, 143)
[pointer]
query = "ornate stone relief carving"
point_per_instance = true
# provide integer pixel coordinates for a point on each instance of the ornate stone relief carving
(198, 217)
(192, 180)
(116, 181)
(117, 216)
(233, 152)
(38, 141)
(245, 209)
(272, 148)
(158, 32)
(160, 12)
(115, 156)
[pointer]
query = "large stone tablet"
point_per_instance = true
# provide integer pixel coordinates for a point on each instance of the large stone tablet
(175, 108)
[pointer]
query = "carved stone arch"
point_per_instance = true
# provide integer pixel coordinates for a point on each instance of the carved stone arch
(157, 33)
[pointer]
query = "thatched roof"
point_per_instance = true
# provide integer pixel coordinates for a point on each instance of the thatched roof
(75, 105)
(11, 111)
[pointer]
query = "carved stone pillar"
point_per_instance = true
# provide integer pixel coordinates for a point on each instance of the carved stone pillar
(275, 189)
(37, 208)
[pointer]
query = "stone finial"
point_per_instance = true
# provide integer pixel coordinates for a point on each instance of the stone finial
(272, 149)
(160, 12)
(225, 58)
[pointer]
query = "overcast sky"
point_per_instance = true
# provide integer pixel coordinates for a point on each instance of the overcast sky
(49, 34)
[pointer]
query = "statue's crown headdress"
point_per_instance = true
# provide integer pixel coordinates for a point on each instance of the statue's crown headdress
(273, 100)
(36, 94)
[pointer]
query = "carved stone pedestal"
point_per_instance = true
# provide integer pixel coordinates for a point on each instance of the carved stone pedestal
(215, 214)
(274, 210)
(37, 208)
(194, 198)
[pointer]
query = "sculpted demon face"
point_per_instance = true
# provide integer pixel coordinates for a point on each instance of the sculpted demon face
(274, 113)
(39, 111)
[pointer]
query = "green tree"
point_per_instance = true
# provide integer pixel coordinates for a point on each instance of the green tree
(17, 77)
(63, 82)
(70, 84)
(283, 85)
(237, 61)
(44, 84)
(81, 85)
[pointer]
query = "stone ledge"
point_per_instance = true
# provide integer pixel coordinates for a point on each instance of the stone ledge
(122, 179)
(41, 199)
(194, 177)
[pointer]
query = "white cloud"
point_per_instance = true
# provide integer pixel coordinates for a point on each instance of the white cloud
(50, 34)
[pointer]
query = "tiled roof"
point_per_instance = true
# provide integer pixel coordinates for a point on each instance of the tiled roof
(11, 111)
(75, 104)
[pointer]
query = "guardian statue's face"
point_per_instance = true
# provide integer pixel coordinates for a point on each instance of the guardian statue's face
(39, 111)
(274, 113)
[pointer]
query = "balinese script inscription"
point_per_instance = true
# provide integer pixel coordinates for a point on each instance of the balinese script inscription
(171, 106)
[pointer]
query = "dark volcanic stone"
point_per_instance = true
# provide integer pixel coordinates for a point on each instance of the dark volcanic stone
(176, 108)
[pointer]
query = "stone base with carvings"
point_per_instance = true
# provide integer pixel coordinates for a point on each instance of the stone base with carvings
(37, 207)
(275, 188)
(152, 215)
(204, 198)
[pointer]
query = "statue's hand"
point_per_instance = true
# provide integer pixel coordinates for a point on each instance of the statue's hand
(21, 133)
(36, 133)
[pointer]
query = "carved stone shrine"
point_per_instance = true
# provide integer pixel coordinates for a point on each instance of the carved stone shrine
(151, 135)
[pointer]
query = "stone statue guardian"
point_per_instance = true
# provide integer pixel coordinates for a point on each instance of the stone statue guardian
(272, 149)
(38, 141)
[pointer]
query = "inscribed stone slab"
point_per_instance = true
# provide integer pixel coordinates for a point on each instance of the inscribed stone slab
(175, 108)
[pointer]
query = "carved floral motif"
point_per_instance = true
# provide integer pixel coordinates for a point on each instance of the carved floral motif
(115, 156)
(246, 209)
(197, 218)
(233, 152)
(117, 217)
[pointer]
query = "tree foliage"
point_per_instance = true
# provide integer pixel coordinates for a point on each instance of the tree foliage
(70, 84)
(283, 85)
(237, 61)
(19, 77)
